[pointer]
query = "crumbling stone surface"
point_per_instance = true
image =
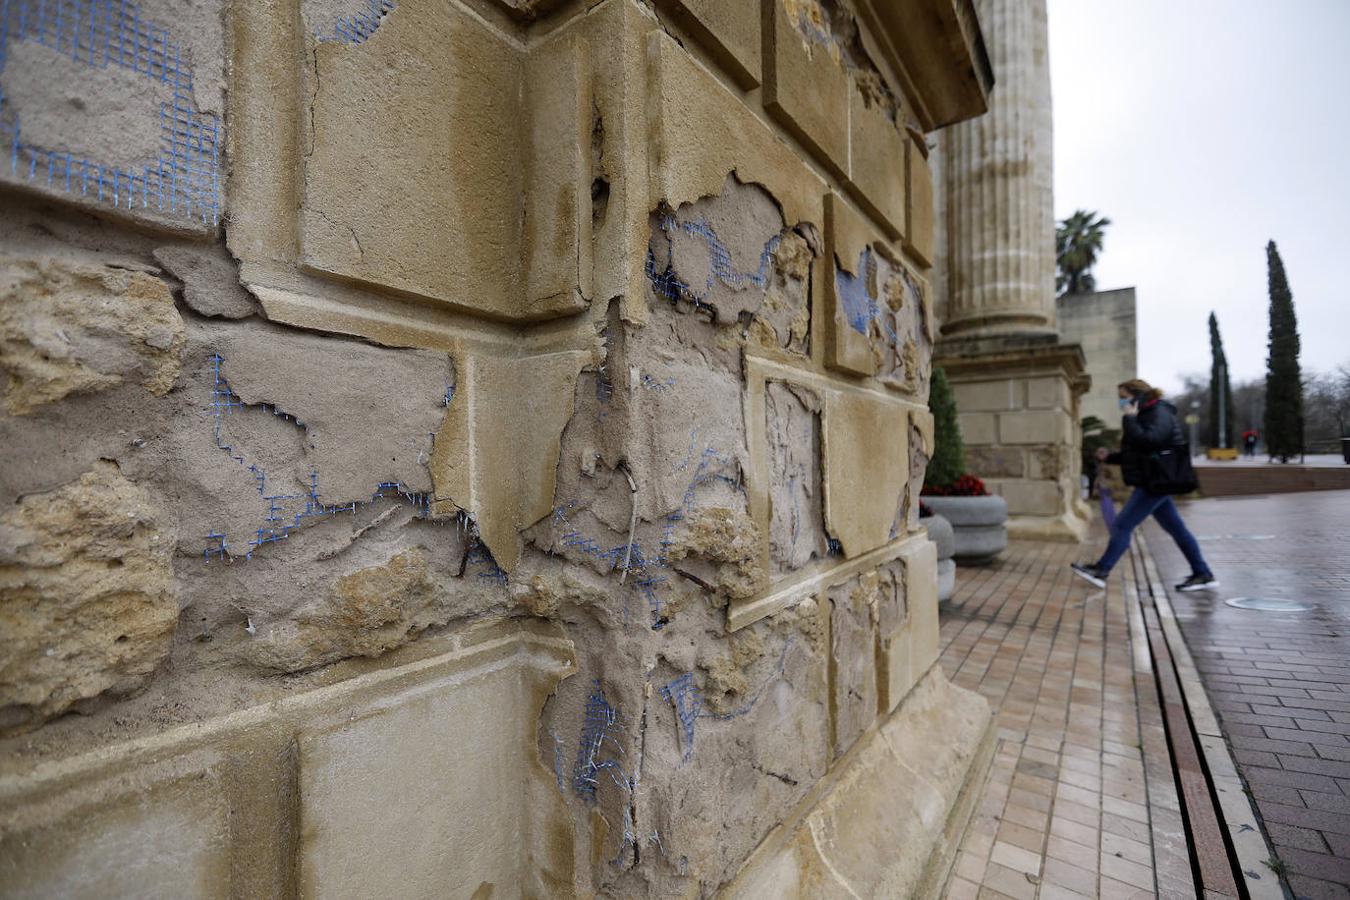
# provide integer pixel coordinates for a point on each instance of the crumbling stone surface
(86, 598)
(210, 280)
(369, 612)
(71, 328)
(854, 610)
(797, 527)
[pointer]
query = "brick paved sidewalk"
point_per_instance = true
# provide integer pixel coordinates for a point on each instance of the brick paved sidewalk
(1081, 800)
(1280, 682)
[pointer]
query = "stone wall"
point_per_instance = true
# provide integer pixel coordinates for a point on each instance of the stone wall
(472, 449)
(1104, 325)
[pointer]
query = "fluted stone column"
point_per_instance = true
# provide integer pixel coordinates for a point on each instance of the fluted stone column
(1017, 386)
(1002, 261)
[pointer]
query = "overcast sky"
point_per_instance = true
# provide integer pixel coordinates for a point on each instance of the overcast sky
(1202, 129)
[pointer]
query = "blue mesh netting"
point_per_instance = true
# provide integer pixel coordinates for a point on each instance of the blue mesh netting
(185, 178)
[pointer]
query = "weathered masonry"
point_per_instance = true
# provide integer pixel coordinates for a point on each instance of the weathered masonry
(472, 448)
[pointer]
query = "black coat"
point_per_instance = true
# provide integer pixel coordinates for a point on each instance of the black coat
(1156, 427)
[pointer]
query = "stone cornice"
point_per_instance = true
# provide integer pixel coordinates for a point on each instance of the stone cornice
(937, 49)
(1005, 353)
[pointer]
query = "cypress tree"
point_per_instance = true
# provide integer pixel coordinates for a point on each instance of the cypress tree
(1219, 387)
(1284, 386)
(949, 454)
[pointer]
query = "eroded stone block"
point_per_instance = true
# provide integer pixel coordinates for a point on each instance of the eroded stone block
(797, 524)
(496, 455)
(86, 599)
(854, 609)
(851, 291)
(700, 131)
(77, 328)
(866, 468)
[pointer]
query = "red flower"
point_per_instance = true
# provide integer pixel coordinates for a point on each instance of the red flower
(965, 486)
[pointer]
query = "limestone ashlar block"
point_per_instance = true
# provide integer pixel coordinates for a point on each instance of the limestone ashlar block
(877, 163)
(978, 428)
(428, 789)
(729, 31)
(1030, 498)
(850, 290)
(866, 467)
(700, 131)
(439, 162)
(496, 455)
(921, 597)
(557, 227)
(905, 652)
(1049, 426)
(805, 88)
(987, 396)
(919, 221)
(168, 839)
(1049, 393)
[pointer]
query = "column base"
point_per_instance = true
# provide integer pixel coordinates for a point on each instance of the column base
(1017, 399)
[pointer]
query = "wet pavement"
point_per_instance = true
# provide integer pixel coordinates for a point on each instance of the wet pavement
(1279, 680)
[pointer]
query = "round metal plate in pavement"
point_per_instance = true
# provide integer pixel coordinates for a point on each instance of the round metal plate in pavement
(1266, 604)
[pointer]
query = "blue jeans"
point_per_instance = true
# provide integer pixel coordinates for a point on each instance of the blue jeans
(1139, 507)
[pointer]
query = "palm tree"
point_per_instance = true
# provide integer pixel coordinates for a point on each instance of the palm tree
(1078, 240)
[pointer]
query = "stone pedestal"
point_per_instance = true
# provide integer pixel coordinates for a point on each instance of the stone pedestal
(1018, 402)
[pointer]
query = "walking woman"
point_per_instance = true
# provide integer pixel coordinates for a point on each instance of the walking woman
(1149, 424)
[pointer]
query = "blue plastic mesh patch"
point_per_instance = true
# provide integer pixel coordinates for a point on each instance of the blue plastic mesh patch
(722, 268)
(683, 695)
(860, 306)
(360, 25)
(596, 743)
(285, 513)
(185, 179)
(645, 573)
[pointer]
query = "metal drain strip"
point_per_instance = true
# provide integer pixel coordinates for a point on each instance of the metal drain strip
(1229, 847)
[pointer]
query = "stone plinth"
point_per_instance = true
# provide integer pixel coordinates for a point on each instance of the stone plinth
(1018, 409)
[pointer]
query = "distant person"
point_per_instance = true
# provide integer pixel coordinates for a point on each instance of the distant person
(1149, 424)
(1249, 442)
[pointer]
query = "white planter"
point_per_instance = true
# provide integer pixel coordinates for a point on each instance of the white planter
(978, 524)
(940, 532)
(946, 579)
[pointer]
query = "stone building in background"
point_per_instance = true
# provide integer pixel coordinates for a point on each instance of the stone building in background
(1103, 323)
(472, 448)
(1017, 383)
